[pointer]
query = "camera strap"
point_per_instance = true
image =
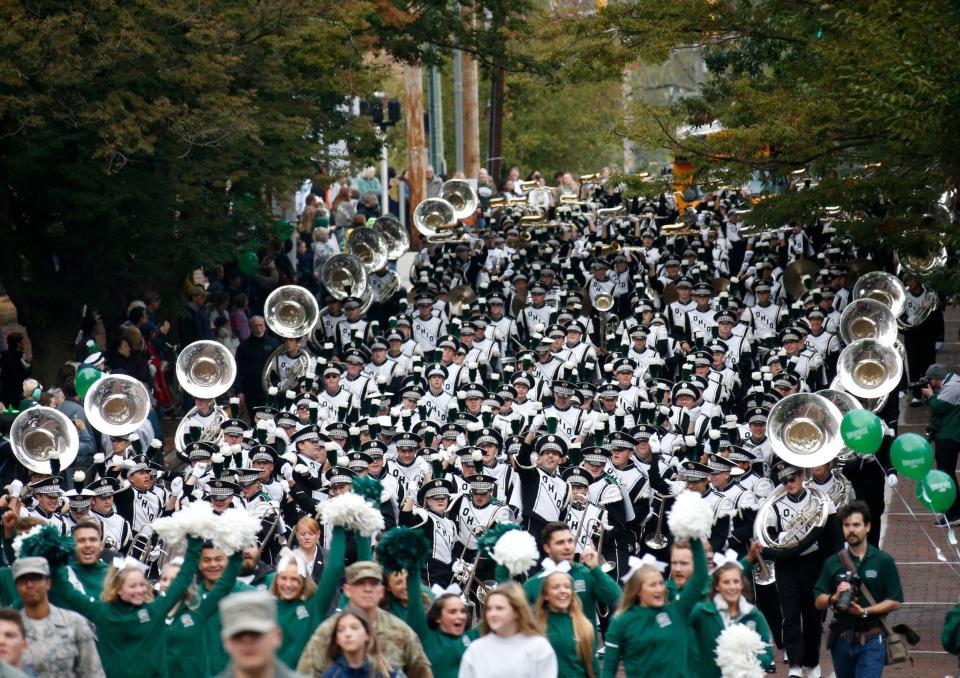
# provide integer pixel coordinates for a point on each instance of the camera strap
(847, 561)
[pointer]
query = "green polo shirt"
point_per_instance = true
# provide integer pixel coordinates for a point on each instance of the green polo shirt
(878, 573)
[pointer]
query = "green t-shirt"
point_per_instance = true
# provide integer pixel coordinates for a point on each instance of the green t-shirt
(877, 572)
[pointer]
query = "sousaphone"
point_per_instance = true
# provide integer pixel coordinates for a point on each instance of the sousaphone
(117, 405)
(461, 195)
(291, 311)
(883, 287)
(394, 234)
(804, 430)
(41, 433)
(867, 318)
(206, 369)
(368, 247)
(343, 276)
(869, 369)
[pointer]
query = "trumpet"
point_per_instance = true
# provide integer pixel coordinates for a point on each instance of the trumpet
(678, 231)
(526, 186)
(507, 201)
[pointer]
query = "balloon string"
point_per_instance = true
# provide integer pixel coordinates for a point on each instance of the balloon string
(939, 552)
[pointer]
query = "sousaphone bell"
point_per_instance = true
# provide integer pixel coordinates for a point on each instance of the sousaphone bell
(394, 234)
(343, 276)
(206, 369)
(883, 287)
(368, 247)
(461, 195)
(845, 403)
(291, 311)
(117, 405)
(804, 430)
(869, 369)
(41, 432)
(868, 318)
(436, 217)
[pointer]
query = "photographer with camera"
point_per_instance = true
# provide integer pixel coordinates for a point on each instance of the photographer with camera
(861, 584)
(943, 397)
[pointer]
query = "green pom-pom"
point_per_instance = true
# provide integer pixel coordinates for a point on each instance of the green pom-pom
(368, 488)
(489, 538)
(50, 544)
(402, 548)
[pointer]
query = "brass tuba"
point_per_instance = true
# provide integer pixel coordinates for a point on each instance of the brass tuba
(461, 196)
(117, 405)
(845, 403)
(868, 369)
(394, 235)
(883, 287)
(40, 434)
(804, 430)
(867, 318)
(368, 247)
(206, 369)
(436, 217)
(291, 311)
(343, 276)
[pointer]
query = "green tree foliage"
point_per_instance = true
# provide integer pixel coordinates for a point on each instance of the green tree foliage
(861, 93)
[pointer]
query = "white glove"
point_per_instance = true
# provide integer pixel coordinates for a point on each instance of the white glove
(15, 488)
(537, 423)
(98, 458)
(289, 456)
(127, 463)
(286, 472)
(892, 480)
(199, 469)
(155, 554)
(301, 469)
(176, 487)
(116, 460)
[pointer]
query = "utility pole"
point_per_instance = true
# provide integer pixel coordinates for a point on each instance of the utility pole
(495, 138)
(471, 119)
(416, 142)
(435, 104)
(458, 107)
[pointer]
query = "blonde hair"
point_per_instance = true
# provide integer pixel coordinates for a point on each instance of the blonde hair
(114, 582)
(308, 522)
(309, 586)
(518, 601)
(583, 632)
(632, 590)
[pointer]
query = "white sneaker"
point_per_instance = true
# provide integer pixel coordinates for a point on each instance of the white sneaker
(813, 671)
(795, 671)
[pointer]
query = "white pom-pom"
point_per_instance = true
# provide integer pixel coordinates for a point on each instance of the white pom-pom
(689, 441)
(691, 517)
(738, 652)
(98, 458)
(290, 395)
(714, 434)
(196, 520)
(133, 437)
(381, 379)
(156, 444)
(236, 529)
(517, 551)
(472, 365)
(354, 430)
(352, 512)
(756, 376)
(474, 426)
(731, 419)
(79, 476)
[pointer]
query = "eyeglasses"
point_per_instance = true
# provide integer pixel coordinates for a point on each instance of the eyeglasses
(331, 376)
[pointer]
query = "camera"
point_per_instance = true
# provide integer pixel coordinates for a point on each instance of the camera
(845, 598)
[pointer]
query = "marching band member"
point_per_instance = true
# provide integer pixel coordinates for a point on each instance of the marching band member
(48, 492)
(116, 528)
(433, 500)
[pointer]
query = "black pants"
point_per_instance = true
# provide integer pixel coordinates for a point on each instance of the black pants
(946, 452)
(868, 479)
(769, 604)
(802, 622)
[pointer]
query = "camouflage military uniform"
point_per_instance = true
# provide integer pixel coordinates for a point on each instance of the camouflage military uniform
(398, 642)
(61, 646)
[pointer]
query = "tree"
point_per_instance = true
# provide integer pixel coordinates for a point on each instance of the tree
(860, 94)
(122, 124)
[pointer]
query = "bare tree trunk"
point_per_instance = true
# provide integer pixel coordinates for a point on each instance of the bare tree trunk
(416, 142)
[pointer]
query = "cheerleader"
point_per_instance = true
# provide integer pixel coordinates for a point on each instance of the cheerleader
(442, 628)
(572, 636)
(131, 623)
(186, 648)
(650, 635)
(724, 607)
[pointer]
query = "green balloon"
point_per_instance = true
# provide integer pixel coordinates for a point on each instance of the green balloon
(912, 455)
(248, 262)
(937, 491)
(862, 431)
(85, 378)
(283, 229)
